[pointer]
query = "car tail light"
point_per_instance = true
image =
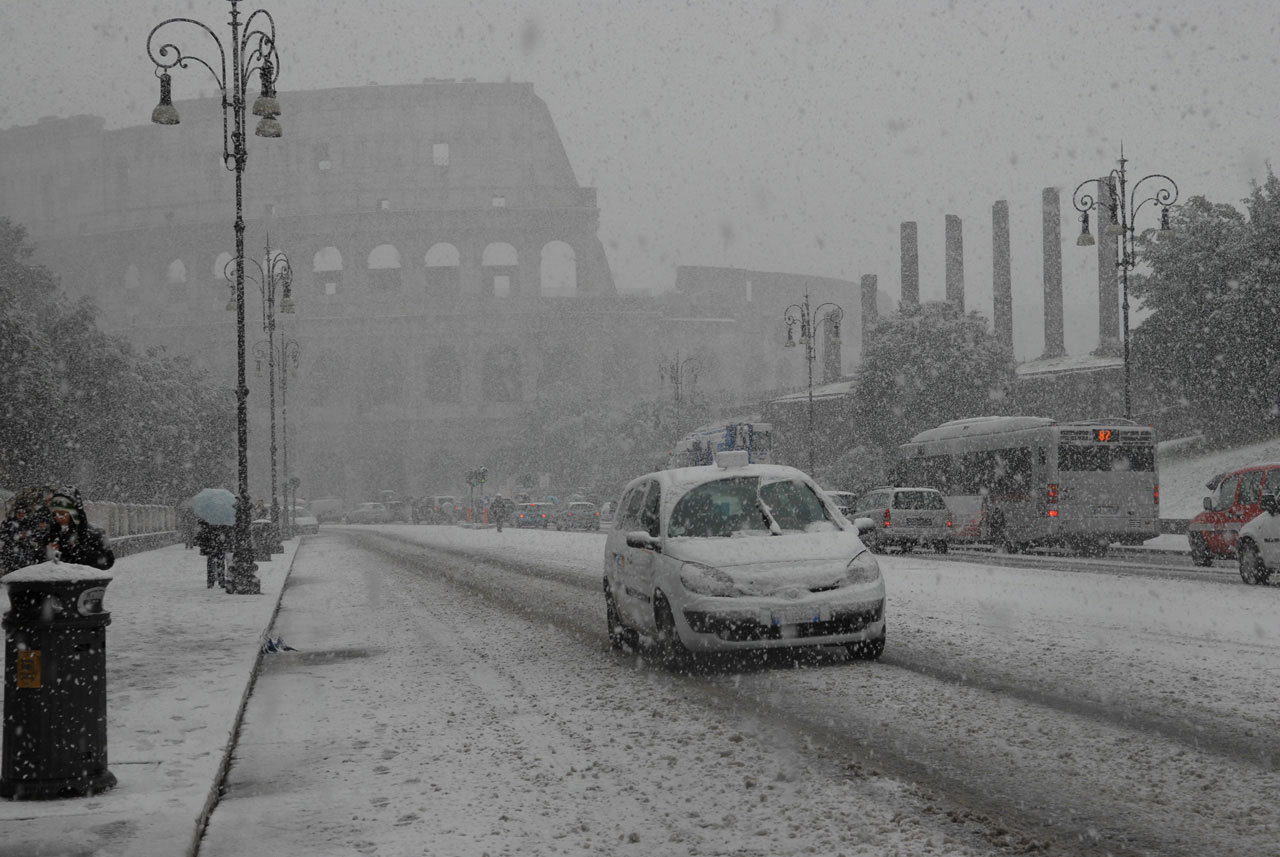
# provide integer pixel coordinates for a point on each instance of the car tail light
(1155, 494)
(1053, 499)
(886, 517)
(948, 522)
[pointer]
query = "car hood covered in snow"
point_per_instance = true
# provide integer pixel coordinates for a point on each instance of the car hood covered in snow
(763, 563)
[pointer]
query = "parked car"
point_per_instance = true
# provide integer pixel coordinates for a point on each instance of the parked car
(904, 518)
(735, 556)
(845, 502)
(580, 515)
(304, 521)
(368, 513)
(327, 509)
(534, 515)
(1258, 544)
(1236, 501)
(439, 509)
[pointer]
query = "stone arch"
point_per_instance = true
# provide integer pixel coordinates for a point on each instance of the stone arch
(327, 265)
(559, 271)
(444, 375)
(443, 264)
(384, 267)
(501, 378)
(500, 262)
(222, 266)
(177, 273)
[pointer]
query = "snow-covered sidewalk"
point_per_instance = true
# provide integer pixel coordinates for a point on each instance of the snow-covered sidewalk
(180, 661)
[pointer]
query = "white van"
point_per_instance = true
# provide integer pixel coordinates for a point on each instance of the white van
(904, 518)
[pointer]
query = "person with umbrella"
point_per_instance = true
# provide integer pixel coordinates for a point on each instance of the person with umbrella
(215, 513)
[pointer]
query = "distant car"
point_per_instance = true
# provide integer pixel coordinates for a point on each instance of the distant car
(327, 509)
(304, 521)
(1235, 501)
(845, 501)
(440, 509)
(905, 518)
(578, 516)
(607, 511)
(1258, 545)
(534, 515)
(736, 556)
(368, 513)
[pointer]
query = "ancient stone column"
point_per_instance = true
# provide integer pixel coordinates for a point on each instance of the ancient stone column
(1001, 276)
(870, 314)
(1108, 279)
(955, 263)
(910, 264)
(1054, 342)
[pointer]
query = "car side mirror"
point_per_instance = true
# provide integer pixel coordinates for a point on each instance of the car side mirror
(864, 525)
(642, 540)
(1208, 504)
(1270, 504)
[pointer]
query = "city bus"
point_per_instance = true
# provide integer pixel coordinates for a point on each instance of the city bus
(700, 445)
(1020, 482)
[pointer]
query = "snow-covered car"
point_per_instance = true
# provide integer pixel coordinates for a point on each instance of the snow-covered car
(368, 513)
(734, 556)
(904, 518)
(578, 516)
(1258, 544)
(844, 501)
(534, 515)
(304, 521)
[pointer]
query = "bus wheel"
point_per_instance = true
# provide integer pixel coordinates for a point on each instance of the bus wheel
(1200, 551)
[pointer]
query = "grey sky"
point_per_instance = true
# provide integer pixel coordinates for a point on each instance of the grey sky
(792, 137)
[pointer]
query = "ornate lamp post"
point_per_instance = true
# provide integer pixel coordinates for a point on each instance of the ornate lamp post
(677, 370)
(1122, 205)
(278, 274)
(253, 48)
(288, 359)
(807, 320)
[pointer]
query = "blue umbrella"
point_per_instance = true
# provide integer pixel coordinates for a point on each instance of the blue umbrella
(215, 506)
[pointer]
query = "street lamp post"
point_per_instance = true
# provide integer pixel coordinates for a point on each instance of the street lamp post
(277, 274)
(288, 356)
(677, 370)
(253, 48)
(1122, 206)
(807, 319)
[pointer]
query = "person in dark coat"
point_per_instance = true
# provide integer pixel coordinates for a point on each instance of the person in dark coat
(24, 532)
(214, 541)
(71, 538)
(501, 509)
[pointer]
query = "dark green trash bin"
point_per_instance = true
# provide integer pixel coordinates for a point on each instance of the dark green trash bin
(55, 683)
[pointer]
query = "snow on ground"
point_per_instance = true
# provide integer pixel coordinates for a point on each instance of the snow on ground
(1183, 476)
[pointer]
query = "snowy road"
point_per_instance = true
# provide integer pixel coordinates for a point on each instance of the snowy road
(466, 703)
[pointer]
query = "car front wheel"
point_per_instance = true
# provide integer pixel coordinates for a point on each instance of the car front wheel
(621, 638)
(1200, 551)
(1253, 570)
(671, 649)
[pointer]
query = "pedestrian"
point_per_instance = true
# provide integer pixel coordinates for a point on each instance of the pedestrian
(501, 508)
(214, 541)
(186, 521)
(71, 538)
(24, 532)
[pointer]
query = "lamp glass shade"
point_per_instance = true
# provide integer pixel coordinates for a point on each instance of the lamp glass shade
(1085, 240)
(231, 304)
(1113, 230)
(287, 306)
(165, 113)
(269, 127)
(266, 105)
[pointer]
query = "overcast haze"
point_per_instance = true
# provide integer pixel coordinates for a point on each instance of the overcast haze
(792, 137)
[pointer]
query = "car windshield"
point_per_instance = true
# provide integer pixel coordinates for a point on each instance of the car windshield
(743, 506)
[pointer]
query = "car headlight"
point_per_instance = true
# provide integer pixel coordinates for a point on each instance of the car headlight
(707, 580)
(863, 568)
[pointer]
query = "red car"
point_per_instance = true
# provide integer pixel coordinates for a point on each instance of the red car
(1212, 534)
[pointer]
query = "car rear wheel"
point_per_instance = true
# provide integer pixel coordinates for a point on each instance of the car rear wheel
(941, 547)
(621, 638)
(1200, 550)
(671, 649)
(1253, 570)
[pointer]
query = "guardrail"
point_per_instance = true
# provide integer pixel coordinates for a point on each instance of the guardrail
(118, 520)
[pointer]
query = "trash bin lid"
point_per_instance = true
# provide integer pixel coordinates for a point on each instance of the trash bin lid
(56, 572)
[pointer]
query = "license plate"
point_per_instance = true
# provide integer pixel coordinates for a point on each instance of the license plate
(1106, 510)
(796, 615)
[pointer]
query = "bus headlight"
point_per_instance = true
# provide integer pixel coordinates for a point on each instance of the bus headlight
(863, 568)
(707, 580)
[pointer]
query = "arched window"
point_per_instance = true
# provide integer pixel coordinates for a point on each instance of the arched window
(176, 281)
(223, 270)
(444, 375)
(501, 380)
(384, 268)
(559, 271)
(500, 266)
(327, 265)
(442, 262)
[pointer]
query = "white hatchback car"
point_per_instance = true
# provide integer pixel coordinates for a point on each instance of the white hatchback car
(735, 556)
(1258, 544)
(904, 518)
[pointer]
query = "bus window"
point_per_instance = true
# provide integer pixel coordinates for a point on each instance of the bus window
(1073, 458)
